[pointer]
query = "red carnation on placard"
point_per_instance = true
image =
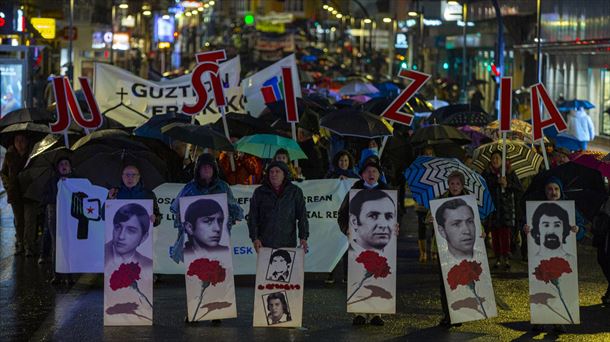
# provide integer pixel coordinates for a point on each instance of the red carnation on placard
(375, 266)
(210, 272)
(549, 271)
(127, 275)
(466, 273)
(552, 269)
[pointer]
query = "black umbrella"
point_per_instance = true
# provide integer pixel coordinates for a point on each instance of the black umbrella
(172, 160)
(39, 169)
(35, 115)
(355, 123)
(441, 114)
(115, 138)
(204, 136)
(33, 131)
(241, 125)
(581, 184)
(467, 119)
(152, 127)
(51, 142)
(309, 116)
(434, 133)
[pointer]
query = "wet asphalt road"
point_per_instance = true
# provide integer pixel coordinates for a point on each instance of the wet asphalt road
(32, 309)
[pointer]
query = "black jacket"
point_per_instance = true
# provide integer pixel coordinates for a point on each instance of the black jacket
(507, 203)
(139, 192)
(343, 218)
(273, 218)
(13, 164)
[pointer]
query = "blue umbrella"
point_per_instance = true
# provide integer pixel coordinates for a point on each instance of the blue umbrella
(574, 105)
(427, 179)
(152, 127)
(567, 141)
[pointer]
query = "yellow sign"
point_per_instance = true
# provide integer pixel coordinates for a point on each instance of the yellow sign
(164, 45)
(267, 26)
(46, 27)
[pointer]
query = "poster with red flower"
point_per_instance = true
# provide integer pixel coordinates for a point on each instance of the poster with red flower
(210, 288)
(552, 262)
(371, 265)
(128, 265)
(463, 257)
(278, 295)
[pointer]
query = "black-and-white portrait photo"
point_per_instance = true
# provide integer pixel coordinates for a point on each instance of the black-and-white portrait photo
(456, 224)
(276, 308)
(372, 220)
(131, 225)
(550, 229)
(204, 224)
(280, 265)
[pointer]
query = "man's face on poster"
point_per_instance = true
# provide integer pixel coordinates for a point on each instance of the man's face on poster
(207, 231)
(276, 309)
(551, 231)
(375, 224)
(127, 235)
(460, 229)
(279, 268)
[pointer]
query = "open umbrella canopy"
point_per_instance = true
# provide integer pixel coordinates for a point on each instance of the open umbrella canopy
(432, 133)
(357, 88)
(436, 104)
(475, 135)
(524, 160)
(35, 115)
(467, 119)
(33, 131)
(265, 146)
(241, 125)
(39, 169)
(152, 127)
(115, 138)
(520, 130)
(575, 104)
(203, 136)
(355, 123)
(593, 160)
(440, 115)
(581, 184)
(427, 179)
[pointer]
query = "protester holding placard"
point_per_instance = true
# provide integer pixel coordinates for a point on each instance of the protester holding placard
(277, 210)
(205, 181)
(132, 188)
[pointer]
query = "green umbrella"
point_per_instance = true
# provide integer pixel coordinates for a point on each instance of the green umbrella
(265, 145)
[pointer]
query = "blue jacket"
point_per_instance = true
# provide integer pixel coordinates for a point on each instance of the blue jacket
(139, 192)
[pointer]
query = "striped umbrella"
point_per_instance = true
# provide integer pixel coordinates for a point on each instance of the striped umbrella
(427, 179)
(520, 130)
(524, 160)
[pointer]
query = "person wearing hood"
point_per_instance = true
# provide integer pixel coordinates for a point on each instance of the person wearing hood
(63, 170)
(506, 192)
(132, 188)
(342, 166)
(205, 181)
(581, 127)
(371, 154)
(277, 211)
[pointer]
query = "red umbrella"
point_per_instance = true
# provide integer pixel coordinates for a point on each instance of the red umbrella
(593, 160)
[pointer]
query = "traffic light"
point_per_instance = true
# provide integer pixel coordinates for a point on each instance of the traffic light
(249, 19)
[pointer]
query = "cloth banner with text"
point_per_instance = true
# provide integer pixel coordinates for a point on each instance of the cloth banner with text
(128, 265)
(552, 263)
(371, 273)
(142, 98)
(80, 227)
(463, 257)
(278, 296)
(326, 242)
(210, 289)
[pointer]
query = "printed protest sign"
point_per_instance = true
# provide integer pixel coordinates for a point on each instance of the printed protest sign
(552, 263)
(128, 265)
(463, 258)
(371, 273)
(210, 289)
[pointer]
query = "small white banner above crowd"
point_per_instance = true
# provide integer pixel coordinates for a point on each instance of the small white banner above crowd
(80, 227)
(552, 263)
(131, 100)
(278, 296)
(326, 242)
(371, 273)
(463, 257)
(210, 289)
(128, 265)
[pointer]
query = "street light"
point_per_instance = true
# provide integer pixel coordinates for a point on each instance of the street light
(367, 21)
(325, 6)
(123, 6)
(335, 12)
(165, 17)
(330, 9)
(412, 14)
(339, 15)
(212, 3)
(387, 20)
(146, 13)
(200, 9)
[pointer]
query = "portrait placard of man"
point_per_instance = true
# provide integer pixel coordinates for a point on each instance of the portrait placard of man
(204, 224)
(131, 224)
(372, 219)
(277, 308)
(280, 265)
(456, 224)
(550, 229)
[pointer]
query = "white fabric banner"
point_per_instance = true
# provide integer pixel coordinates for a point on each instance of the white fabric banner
(552, 263)
(270, 76)
(463, 257)
(278, 296)
(326, 242)
(371, 273)
(80, 227)
(210, 289)
(147, 98)
(128, 268)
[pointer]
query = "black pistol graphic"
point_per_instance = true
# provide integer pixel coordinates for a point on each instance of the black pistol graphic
(79, 212)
